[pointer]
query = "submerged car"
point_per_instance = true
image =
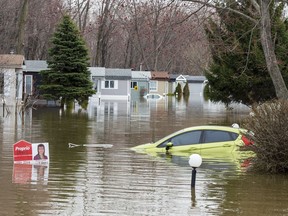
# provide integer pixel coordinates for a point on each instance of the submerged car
(153, 96)
(200, 139)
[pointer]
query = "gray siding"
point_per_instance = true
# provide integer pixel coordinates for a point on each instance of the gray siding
(122, 89)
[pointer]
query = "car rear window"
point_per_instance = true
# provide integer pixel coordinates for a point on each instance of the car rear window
(218, 136)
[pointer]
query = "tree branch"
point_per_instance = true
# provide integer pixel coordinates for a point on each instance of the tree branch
(211, 5)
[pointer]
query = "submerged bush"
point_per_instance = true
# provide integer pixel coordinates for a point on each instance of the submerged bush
(178, 90)
(269, 123)
(186, 91)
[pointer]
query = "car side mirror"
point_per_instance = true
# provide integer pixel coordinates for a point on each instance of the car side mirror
(168, 146)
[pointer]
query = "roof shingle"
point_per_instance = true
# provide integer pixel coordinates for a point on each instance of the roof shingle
(11, 61)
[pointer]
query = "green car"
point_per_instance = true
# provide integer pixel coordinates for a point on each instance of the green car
(207, 139)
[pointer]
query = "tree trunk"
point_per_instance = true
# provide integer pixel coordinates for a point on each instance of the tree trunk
(85, 15)
(21, 28)
(269, 52)
(103, 34)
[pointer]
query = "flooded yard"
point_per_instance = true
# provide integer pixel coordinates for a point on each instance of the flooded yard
(92, 180)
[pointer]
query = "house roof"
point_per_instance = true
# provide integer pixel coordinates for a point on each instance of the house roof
(35, 65)
(118, 74)
(173, 76)
(188, 78)
(181, 78)
(12, 61)
(195, 79)
(159, 75)
(97, 71)
(141, 75)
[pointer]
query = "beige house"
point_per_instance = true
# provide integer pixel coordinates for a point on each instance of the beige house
(11, 79)
(159, 82)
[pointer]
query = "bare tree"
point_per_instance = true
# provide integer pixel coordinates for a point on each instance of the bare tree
(158, 36)
(79, 10)
(21, 27)
(83, 12)
(41, 23)
(8, 25)
(106, 25)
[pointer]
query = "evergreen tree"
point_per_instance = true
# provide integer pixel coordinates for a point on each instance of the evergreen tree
(238, 72)
(186, 91)
(68, 77)
(178, 90)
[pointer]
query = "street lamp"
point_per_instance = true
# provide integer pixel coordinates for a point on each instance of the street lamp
(195, 161)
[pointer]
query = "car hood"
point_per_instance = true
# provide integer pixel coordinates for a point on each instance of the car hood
(144, 146)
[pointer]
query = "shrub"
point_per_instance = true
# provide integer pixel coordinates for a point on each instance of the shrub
(178, 90)
(268, 122)
(186, 91)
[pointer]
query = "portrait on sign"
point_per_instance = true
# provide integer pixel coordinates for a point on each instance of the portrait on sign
(40, 151)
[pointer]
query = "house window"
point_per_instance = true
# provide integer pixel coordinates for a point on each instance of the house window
(109, 84)
(133, 84)
(28, 84)
(1, 83)
(153, 86)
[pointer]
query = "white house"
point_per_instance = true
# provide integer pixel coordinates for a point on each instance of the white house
(11, 78)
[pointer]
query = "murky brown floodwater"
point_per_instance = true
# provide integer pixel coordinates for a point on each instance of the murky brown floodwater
(88, 180)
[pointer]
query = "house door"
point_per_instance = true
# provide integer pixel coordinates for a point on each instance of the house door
(96, 84)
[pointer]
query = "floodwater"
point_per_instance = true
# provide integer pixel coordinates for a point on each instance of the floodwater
(94, 179)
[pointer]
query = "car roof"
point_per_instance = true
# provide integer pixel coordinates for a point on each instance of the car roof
(203, 127)
(213, 127)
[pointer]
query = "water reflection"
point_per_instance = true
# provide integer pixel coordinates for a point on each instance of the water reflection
(30, 174)
(193, 198)
(22, 173)
(88, 180)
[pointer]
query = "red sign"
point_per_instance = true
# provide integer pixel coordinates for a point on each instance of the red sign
(22, 151)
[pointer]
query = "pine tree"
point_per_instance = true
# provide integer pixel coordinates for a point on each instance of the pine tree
(238, 72)
(68, 77)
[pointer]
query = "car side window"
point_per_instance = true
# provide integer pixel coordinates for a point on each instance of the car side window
(218, 136)
(187, 138)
